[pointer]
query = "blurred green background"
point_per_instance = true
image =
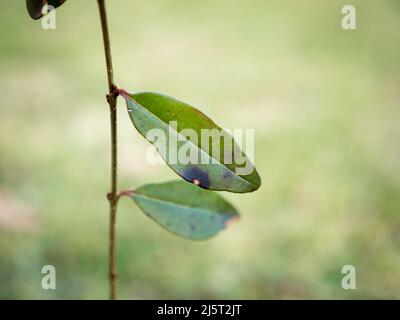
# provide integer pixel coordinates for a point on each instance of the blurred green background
(324, 103)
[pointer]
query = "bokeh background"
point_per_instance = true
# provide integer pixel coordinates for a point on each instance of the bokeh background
(324, 103)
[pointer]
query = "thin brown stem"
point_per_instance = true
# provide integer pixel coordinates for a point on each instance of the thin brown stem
(112, 195)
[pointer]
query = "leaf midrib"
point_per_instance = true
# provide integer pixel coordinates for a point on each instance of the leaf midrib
(138, 194)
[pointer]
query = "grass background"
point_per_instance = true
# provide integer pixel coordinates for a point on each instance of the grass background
(324, 103)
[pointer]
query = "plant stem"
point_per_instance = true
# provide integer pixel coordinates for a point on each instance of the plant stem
(112, 195)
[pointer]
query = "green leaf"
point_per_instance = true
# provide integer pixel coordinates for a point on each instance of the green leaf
(156, 111)
(184, 209)
(35, 6)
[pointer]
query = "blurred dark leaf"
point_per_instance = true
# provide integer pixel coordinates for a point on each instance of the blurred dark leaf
(156, 111)
(35, 7)
(184, 209)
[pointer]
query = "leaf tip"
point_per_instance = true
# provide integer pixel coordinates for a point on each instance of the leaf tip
(39, 8)
(233, 220)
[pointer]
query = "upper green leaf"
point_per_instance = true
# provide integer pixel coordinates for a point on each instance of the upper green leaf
(150, 111)
(35, 7)
(184, 209)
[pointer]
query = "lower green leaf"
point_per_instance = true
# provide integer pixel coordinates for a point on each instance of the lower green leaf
(184, 209)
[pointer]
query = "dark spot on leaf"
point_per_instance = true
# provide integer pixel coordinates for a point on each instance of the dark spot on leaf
(192, 227)
(197, 176)
(167, 224)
